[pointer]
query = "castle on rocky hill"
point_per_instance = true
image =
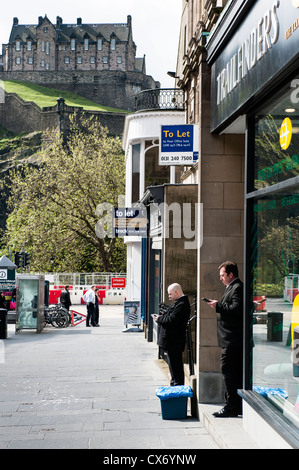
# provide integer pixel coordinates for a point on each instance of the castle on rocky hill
(97, 61)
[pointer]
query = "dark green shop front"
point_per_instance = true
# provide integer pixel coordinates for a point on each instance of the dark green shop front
(254, 59)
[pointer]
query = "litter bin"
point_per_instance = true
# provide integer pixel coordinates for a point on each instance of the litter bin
(3, 323)
(174, 401)
(274, 326)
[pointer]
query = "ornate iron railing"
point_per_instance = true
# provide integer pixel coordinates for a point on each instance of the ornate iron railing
(160, 98)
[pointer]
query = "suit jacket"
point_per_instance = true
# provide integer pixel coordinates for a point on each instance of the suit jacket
(230, 316)
(173, 324)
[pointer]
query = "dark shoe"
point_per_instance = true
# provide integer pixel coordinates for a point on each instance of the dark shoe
(224, 413)
(87, 325)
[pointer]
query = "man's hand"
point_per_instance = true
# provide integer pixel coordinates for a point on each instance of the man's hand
(212, 303)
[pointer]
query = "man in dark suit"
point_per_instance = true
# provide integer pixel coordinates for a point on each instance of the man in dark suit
(230, 337)
(172, 333)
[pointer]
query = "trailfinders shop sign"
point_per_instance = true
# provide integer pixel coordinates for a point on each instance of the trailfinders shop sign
(264, 44)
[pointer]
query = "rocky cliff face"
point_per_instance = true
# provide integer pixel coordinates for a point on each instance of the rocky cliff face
(15, 151)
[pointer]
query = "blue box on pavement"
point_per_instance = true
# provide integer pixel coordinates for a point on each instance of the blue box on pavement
(174, 401)
(174, 408)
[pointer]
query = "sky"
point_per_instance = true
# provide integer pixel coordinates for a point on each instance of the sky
(156, 25)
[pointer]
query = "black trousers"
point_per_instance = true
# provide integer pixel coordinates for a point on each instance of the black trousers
(232, 372)
(90, 314)
(176, 368)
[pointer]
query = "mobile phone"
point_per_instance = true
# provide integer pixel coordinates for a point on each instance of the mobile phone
(205, 299)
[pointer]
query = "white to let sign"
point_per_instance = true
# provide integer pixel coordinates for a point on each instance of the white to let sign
(179, 145)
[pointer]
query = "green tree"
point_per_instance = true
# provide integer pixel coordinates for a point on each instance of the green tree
(53, 204)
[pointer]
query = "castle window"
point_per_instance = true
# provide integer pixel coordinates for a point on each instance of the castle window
(30, 60)
(66, 60)
(73, 44)
(113, 44)
(47, 66)
(18, 45)
(86, 44)
(92, 60)
(100, 44)
(18, 60)
(29, 45)
(42, 63)
(119, 60)
(47, 48)
(79, 60)
(105, 60)
(43, 46)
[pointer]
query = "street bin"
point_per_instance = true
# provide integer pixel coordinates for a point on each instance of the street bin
(3, 323)
(174, 401)
(274, 326)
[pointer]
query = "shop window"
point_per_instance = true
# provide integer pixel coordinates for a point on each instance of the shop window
(155, 174)
(273, 251)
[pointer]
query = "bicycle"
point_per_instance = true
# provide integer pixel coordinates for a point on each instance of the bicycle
(57, 316)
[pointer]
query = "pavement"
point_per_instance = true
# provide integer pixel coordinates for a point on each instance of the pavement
(94, 388)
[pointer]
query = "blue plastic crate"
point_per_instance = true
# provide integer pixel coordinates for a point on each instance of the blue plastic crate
(174, 408)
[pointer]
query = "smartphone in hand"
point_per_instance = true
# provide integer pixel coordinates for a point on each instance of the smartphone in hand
(205, 299)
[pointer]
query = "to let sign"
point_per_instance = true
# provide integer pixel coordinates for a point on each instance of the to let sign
(179, 145)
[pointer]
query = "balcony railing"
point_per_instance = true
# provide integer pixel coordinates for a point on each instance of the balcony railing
(160, 98)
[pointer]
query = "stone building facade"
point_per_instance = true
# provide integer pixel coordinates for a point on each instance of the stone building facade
(219, 174)
(70, 47)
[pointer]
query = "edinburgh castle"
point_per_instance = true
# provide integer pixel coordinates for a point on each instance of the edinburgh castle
(96, 61)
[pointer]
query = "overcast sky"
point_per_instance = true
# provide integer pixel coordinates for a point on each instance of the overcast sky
(156, 24)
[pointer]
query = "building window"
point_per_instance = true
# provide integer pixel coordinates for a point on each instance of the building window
(18, 45)
(119, 60)
(135, 172)
(113, 44)
(273, 249)
(105, 60)
(30, 60)
(18, 60)
(100, 44)
(47, 66)
(43, 46)
(66, 60)
(42, 63)
(29, 45)
(73, 44)
(79, 60)
(47, 47)
(86, 44)
(92, 60)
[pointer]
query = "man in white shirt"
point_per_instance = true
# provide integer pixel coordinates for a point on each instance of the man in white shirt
(89, 298)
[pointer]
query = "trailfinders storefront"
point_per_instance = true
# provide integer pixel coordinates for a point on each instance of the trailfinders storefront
(254, 58)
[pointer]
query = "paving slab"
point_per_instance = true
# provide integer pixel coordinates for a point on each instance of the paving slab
(88, 388)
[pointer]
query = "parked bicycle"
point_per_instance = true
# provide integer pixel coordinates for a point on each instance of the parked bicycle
(57, 316)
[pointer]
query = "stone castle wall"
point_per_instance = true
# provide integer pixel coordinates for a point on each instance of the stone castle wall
(20, 116)
(115, 89)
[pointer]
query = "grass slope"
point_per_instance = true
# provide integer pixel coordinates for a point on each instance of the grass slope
(43, 96)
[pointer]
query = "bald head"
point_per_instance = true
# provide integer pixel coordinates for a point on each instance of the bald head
(174, 291)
